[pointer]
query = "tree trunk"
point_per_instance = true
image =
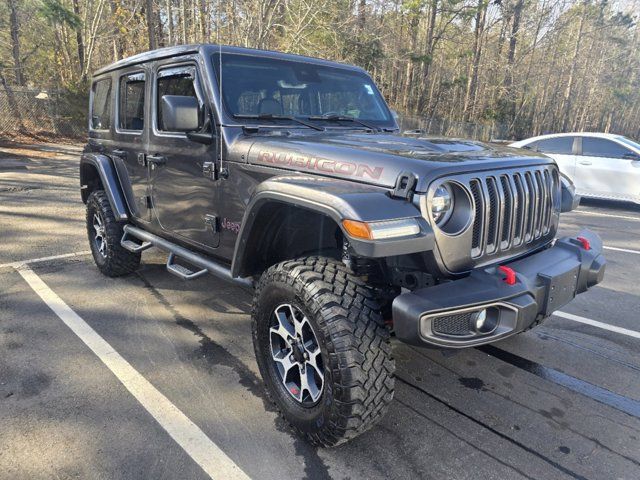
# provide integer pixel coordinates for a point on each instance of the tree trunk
(183, 8)
(510, 95)
(170, 21)
(150, 24)
(15, 44)
(472, 82)
(566, 104)
(79, 43)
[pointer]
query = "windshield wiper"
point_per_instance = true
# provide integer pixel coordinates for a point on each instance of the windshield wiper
(344, 118)
(271, 116)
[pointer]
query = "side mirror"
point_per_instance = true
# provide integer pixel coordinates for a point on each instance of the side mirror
(631, 156)
(570, 200)
(180, 113)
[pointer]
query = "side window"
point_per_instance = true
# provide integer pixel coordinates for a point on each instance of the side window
(101, 105)
(599, 147)
(559, 145)
(176, 81)
(131, 106)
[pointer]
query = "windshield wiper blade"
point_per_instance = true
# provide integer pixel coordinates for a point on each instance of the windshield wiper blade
(344, 118)
(271, 116)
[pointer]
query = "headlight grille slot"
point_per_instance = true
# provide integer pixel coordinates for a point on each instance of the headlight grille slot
(512, 209)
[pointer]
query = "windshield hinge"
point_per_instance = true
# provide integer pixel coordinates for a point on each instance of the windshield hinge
(405, 185)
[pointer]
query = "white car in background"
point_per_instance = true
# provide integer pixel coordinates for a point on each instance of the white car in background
(600, 165)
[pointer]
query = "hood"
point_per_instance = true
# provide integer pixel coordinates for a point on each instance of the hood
(378, 158)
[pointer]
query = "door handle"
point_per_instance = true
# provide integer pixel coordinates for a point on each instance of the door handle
(584, 162)
(119, 153)
(156, 160)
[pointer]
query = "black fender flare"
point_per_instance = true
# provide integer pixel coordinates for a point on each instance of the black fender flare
(109, 179)
(338, 200)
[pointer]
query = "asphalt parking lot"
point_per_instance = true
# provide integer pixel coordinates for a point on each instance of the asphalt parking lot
(174, 391)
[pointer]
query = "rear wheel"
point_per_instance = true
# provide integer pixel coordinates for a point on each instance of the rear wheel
(105, 233)
(322, 348)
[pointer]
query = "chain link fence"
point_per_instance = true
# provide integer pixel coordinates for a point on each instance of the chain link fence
(42, 113)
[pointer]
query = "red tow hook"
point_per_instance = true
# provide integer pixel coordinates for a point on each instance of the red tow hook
(510, 274)
(585, 243)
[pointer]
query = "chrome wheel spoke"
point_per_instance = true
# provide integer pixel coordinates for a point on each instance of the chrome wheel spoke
(309, 384)
(98, 227)
(296, 354)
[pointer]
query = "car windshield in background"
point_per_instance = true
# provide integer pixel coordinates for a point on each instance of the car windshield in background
(270, 88)
(629, 142)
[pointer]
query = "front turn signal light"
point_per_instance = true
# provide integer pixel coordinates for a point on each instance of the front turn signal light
(404, 227)
(357, 229)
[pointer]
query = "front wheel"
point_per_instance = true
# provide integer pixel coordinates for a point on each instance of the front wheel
(322, 348)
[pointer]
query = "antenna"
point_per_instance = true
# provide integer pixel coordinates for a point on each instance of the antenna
(218, 40)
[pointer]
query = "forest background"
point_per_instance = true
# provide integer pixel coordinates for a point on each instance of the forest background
(487, 69)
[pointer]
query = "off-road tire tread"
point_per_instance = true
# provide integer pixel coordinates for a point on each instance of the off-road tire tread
(356, 339)
(119, 261)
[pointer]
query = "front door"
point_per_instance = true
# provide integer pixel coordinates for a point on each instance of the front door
(607, 169)
(183, 197)
(561, 149)
(130, 140)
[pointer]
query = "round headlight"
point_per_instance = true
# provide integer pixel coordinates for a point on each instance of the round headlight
(442, 204)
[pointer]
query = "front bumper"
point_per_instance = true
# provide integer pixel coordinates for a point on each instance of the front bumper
(447, 315)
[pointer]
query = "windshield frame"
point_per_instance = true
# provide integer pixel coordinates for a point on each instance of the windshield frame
(389, 124)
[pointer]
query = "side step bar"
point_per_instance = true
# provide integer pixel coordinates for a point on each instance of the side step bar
(205, 264)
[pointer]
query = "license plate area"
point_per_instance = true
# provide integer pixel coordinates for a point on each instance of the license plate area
(560, 288)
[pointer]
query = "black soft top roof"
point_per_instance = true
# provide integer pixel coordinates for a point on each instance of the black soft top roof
(208, 49)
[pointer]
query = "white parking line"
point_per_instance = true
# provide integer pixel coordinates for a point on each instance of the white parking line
(186, 433)
(625, 250)
(595, 323)
(44, 259)
(625, 217)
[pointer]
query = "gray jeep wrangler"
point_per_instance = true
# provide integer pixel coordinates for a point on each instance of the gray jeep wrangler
(288, 176)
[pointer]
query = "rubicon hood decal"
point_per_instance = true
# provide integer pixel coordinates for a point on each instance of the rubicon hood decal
(378, 159)
(325, 165)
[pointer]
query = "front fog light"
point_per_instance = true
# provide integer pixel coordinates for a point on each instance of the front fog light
(479, 319)
(442, 204)
(485, 320)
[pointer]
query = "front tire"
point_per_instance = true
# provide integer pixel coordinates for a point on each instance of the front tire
(105, 233)
(322, 348)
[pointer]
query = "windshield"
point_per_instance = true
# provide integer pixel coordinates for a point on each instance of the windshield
(254, 86)
(629, 142)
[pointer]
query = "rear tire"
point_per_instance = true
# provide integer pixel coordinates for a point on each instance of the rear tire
(105, 233)
(343, 322)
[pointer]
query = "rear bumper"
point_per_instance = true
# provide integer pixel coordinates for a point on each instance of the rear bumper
(450, 314)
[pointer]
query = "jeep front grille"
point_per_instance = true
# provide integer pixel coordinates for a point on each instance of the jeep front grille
(512, 209)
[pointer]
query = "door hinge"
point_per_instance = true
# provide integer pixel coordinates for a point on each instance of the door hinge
(209, 170)
(212, 221)
(145, 200)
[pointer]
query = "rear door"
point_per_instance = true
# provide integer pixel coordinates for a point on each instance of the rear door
(562, 150)
(183, 196)
(130, 139)
(607, 169)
